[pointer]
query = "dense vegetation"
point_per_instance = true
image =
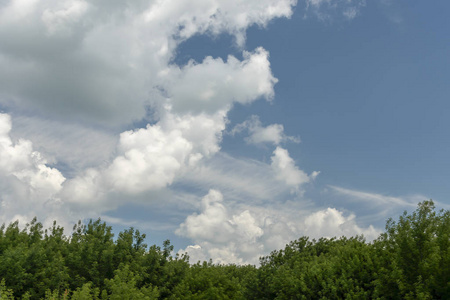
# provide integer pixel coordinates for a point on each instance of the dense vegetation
(411, 260)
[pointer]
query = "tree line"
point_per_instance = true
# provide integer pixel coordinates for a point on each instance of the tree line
(410, 260)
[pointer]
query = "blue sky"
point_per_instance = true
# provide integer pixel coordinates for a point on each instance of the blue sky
(229, 127)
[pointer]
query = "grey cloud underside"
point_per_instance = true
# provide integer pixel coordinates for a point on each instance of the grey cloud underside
(103, 61)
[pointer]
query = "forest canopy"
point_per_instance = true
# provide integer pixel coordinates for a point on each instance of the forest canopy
(410, 260)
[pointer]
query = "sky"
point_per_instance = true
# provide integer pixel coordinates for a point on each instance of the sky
(229, 127)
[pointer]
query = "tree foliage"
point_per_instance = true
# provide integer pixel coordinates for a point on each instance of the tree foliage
(410, 260)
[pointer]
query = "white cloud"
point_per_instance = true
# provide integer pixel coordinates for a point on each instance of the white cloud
(149, 159)
(259, 134)
(330, 223)
(243, 178)
(19, 160)
(226, 238)
(212, 224)
(204, 131)
(377, 198)
(214, 84)
(27, 184)
(375, 208)
(104, 61)
(286, 170)
(229, 233)
(237, 178)
(328, 10)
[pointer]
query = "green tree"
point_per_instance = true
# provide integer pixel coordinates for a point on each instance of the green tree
(414, 255)
(5, 293)
(86, 292)
(123, 286)
(209, 281)
(90, 255)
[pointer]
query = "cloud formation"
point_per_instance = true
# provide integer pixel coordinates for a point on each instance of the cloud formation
(233, 234)
(374, 207)
(377, 198)
(109, 62)
(286, 170)
(77, 145)
(28, 186)
(215, 85)
(258, 134)
(105, 61)
(328, 10)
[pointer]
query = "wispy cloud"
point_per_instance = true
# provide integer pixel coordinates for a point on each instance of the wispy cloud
(237, 178)
(73, 144)
(374, 208)
(378, 198)
(259, 134)
(331, 10)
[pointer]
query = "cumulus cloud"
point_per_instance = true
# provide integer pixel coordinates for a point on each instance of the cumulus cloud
(227, 233)
(19, 160)
(214, 84)
(28, 185)
(227, 238)
(258, 134)
(286, 170)
(330, 223)
(147, 159)
(105, 61)
(150, 158)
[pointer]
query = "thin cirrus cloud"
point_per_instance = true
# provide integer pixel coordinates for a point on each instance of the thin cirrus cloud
(378, 198)
(375, 208)
(326, 10)
(77, 145)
